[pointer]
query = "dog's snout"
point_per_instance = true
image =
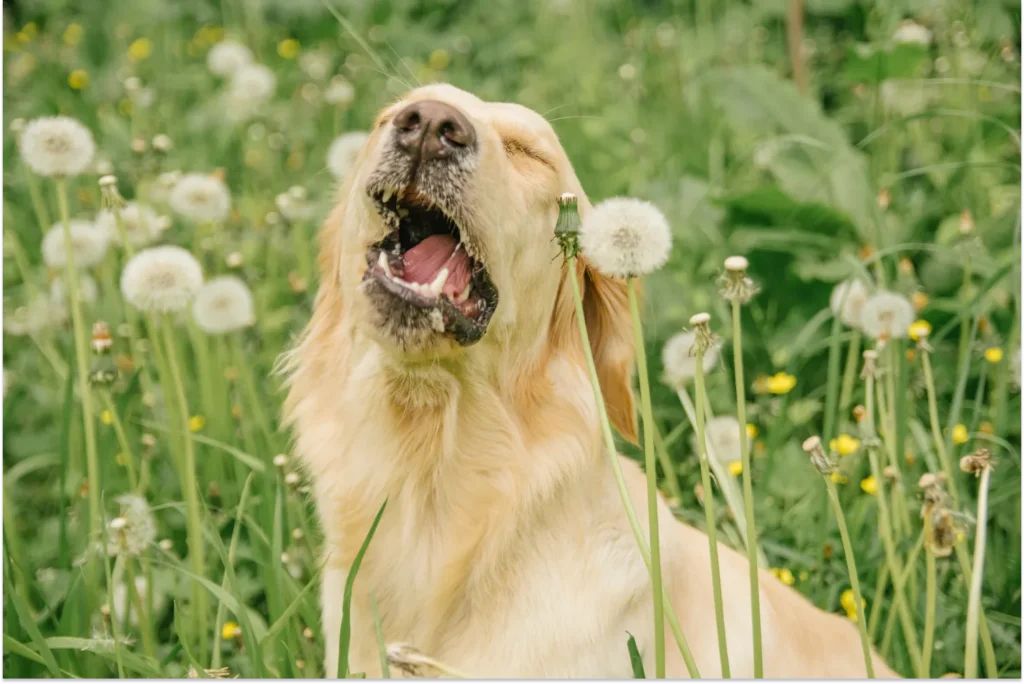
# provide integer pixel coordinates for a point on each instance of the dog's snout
(433, 130)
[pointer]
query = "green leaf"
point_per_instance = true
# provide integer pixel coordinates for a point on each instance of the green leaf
(251, 461)
(872, 65)
(635, 661)
(770, 206)
(345, 633)
(282, 621)
(27, 623)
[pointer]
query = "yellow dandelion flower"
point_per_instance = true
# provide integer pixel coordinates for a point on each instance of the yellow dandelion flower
(79, 79)
(987, 428)
(73, 34)
(106, 417)
(960, 434)
(919, 300)
(28, 33)
(439, 59)
(918, 329)
(785, 576)
(230, 630)
(288, 48)
(849, 603)
(736, 467)
(196, 423)
(993, 355)
(838, 477)
(780, 383)
(844, 445)
(140, 50)
(869, 485)
(751, 430)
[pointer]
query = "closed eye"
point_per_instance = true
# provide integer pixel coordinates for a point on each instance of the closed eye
(515, 147)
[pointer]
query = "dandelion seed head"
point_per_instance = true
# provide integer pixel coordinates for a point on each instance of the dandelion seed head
(227, 57)
(886, 315)
(57, 146)
(132, 532)
(252, 82)
(201, 198)
(141, 224)
(911, 32)
(339, 92)
(87, 291)
(679, 364)
(161, 279)
(625, 237)
(38, 314)
(343, 152)
(88, 243)
(223, 305)
(723, 440)
(847, 301)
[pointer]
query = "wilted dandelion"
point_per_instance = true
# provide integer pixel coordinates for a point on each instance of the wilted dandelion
(132, 532)
(847, 301)
(735, 284)
(223, 305)
(141, 225)
(976, 462)
(342, 154)
(227, 57)
(57, 146)
(161, 279)
(201, 198)
(886, 315)
(680, 364)
(624, 237)
(88, 242)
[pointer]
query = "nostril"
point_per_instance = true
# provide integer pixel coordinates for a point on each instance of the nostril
(409, 122)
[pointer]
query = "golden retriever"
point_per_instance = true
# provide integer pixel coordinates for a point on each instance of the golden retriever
(443, 370)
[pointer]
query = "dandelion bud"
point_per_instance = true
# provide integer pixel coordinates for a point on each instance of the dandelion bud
(735, 285)
(138, 145)
(110, 196)
(280, 460)
(819, 459)
(976, 462)
(966, 222)
(162, 143)
(932, 490)
(870, 363)
(891, 474)
(704, 340)
(884, 197)
(235, 260)
(291, 479)
(298, 534)
(942, 533)
(148, 440)
(567, 228)
(166, 545)
(859, 413)
(308, 633)
(101, 340)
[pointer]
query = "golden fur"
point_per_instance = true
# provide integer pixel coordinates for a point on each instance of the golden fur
(504, 550)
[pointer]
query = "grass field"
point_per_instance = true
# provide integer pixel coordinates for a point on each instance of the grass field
(878, 142)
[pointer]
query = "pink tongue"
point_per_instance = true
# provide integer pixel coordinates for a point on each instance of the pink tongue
(423, 262)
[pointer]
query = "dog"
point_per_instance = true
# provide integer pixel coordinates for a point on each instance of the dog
(443, 370)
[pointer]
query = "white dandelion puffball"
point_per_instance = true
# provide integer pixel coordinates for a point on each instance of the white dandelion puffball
(201, 198)
(342, 154)
(57, 146)
(88, 242)
(253, 82)
(315, 64)
(162, 279)
(679, 364)
(134, 530)
(227, 57)
(847, 301)
(723, 439)
(224, 305)
(887, 315)
(339, 92)
(39, 314)
(87, 291)
(141, 224)
(911, 32)
(624, 237)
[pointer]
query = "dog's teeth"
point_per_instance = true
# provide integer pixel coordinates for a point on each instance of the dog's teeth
(403, 212)
(400, 194)
(382, 261)
(464, 295)
(438, 283)
(387, 195)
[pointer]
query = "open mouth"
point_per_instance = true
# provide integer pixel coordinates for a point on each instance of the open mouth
(424, 263)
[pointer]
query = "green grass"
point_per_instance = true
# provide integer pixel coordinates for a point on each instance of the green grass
(688, 104)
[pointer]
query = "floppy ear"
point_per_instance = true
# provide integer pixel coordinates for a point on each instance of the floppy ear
(610, 328)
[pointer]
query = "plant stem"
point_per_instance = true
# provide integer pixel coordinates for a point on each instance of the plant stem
(849, 375)
(650, 464)
(145, 624)
(851, 568)
(613, 457)
(933, 416)
(964, 558)
(977, 579)
(748, 489)
(122, 438)
(928, 640)
(82, 366)
(194, 528)
(709, 516)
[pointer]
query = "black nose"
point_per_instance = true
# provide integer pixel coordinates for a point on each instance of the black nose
(433, 130)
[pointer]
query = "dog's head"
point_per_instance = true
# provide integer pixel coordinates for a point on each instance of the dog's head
(442, 248)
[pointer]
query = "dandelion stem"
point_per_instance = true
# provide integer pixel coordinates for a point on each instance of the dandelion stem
(82, 366)
(849, 373)
(613, 457)
(115, 619)
(964, 558)
(928, 639)
(194, 525)
(832, 385)
(38, 205)
(851, 568)
(145, 624)
(650, 464)
(933, 416)
(122, 438)
(709, 515)
(977, 579)
(748, 489)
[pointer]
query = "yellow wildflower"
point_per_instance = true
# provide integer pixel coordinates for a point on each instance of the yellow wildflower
(844, 444)
(993, 355)
(230, 630)
(439, 59)
(780, 383)
(785, 576)
(736, 467)
(78, 79)
(196, 423)
(73, 34)
(838, 477)
(849, 603)
(288, 48)
(960, 434)
(869, 485)
(918, 329)
(751, 430)
(106, 417)
(28, 33)
(140, 49)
